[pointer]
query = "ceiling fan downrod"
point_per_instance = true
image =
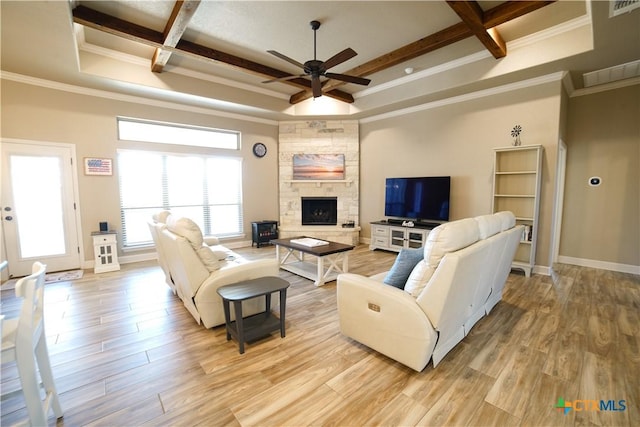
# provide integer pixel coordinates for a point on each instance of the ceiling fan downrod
(314, 26)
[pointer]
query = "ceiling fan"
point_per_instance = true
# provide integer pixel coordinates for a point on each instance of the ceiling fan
(316, 68)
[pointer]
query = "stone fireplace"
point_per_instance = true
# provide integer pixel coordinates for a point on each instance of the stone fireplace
(320, 137)
(319, 210)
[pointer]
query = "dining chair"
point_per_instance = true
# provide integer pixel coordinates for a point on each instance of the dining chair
(24, 341)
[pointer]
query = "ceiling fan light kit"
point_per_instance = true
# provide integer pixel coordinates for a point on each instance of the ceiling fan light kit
(315, 68)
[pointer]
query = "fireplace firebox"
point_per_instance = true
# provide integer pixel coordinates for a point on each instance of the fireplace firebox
(319, 211)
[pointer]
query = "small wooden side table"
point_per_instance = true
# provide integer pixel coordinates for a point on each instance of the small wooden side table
(258, 325)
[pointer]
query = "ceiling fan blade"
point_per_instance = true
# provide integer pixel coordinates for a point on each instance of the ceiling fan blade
(286, 58)
(348, 79)
(282, 79)
(316, 87)
(339, 58)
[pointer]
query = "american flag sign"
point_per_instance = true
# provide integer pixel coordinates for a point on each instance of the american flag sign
(98, 166)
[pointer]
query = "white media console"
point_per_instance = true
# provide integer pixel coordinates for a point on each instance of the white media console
(392, 236)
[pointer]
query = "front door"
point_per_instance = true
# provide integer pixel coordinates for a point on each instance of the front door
(38, 207)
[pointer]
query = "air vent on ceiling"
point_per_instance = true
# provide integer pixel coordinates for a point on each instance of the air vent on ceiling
(618, 7)
(612, 74)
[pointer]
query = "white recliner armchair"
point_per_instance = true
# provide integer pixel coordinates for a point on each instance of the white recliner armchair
(195, 270)
(459, 278)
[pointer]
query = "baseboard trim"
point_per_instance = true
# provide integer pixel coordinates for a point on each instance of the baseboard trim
(127, 259)
(603, 265)
(238, 244)
(541, 269)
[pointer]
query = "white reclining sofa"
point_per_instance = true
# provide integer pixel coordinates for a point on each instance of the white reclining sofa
(459, 279)
(195, 270)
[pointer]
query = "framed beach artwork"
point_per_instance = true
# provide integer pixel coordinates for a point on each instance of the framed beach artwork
(318, 166)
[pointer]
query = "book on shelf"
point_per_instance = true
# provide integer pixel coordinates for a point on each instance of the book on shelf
(308, 241)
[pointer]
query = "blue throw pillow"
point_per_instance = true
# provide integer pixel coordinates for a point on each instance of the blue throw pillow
(402, 268)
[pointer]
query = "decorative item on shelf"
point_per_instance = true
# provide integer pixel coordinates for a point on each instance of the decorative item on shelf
(515, 133)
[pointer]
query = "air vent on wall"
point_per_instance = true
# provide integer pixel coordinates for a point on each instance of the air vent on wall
(618, 7)
(612, 74)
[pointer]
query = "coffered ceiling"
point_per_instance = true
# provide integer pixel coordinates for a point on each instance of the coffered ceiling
(213, 54)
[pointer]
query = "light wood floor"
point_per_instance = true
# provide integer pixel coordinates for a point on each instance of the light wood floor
(126, 352)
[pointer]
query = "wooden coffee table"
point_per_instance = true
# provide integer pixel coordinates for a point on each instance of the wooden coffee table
(294, 261)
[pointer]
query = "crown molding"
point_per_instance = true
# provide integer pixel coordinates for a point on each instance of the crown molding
(605, 87)
(565, 27)
(64, 87)
(567, 83)
(466, 60)
(549, 78)
(84, 46)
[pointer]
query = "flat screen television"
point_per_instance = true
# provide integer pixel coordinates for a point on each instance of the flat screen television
(419, 198)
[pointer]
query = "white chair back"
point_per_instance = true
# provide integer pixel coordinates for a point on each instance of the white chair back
(24, 341)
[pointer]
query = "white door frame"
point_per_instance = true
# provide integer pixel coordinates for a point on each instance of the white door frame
(561, 167)
(76, 197)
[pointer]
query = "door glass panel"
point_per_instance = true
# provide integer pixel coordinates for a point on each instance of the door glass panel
(37, 197)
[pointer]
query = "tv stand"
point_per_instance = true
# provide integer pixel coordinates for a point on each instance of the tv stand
(390, 235)
(416, 223)
(427, 224)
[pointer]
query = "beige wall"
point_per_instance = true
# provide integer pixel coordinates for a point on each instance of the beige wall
(603, 138)
(35, 113)
(458, 140)
(602, 132)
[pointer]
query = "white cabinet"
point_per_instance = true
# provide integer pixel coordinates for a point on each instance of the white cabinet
(394, 237)
(516, 188)
(379, 236)
(105, 250)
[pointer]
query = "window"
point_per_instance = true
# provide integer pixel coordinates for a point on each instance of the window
(207, 189)
(170, 133)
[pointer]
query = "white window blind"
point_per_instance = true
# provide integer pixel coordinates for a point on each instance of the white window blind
(206, 189)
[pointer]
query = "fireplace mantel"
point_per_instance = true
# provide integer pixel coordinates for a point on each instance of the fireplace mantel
(317, 182)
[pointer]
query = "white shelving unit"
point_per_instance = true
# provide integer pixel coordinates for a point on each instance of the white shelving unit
(516, 188)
